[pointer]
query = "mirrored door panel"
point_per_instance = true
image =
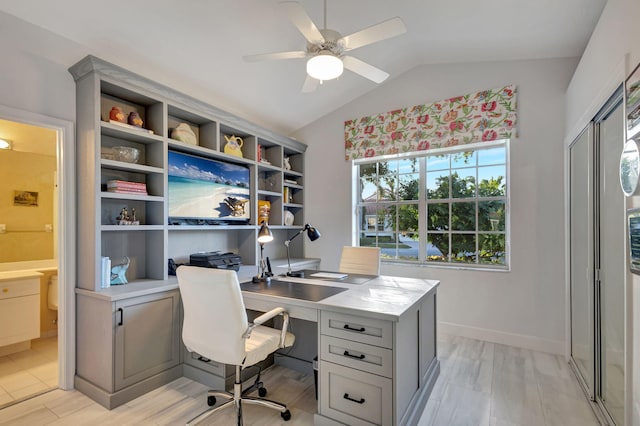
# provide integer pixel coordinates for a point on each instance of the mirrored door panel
(581, 255)
(611, 249)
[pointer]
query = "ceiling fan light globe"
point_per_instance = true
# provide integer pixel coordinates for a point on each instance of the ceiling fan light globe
(325, 66)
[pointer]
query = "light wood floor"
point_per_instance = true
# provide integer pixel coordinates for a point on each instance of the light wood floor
(480, 384)
(26, 373)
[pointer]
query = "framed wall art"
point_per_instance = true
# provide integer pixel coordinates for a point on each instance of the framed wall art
(25, 198)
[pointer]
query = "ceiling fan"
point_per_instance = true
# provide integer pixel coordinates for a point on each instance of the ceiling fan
(326, 48)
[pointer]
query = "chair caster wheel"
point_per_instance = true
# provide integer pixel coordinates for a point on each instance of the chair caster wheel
(286, 415)
(262, 392)
(211, 401)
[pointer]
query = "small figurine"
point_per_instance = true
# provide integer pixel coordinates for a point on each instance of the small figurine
(123, 218)
(287, 164)
(236, 205)
(118, 272)
(116, 114)
(134, 119)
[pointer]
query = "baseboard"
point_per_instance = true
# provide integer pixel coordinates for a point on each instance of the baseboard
(112, 400)
(48, 333)
(15, 348)
(503, 338)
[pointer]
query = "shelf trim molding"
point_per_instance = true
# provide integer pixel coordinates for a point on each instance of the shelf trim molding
(93, 64)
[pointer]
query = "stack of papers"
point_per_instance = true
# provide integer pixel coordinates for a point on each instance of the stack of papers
(331, 275)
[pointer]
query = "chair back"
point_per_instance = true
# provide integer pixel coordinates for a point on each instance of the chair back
(360, 260)
(214, 314)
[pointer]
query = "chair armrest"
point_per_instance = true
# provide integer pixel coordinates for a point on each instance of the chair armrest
(266, 317)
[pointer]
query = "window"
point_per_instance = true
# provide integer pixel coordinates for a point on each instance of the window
(446, 208)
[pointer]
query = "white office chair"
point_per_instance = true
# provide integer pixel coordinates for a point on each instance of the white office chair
(216, 327)
(360, 260)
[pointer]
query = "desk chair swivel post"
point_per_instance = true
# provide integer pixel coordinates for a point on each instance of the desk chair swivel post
(216, 327)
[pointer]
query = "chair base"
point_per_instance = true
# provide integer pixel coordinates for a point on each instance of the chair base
(236, 398)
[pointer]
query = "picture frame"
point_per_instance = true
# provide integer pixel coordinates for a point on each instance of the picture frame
(25, 198)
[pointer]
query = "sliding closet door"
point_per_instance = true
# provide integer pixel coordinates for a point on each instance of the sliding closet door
(610, 262)
(581, 159)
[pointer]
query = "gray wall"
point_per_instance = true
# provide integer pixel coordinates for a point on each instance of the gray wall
(33, 71)
(524, 307)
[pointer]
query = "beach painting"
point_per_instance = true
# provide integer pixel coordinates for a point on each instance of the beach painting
(200, 188)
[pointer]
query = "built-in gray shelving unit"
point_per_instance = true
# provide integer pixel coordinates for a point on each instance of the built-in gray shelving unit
(276, 166)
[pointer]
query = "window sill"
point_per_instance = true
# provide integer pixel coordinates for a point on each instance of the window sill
(461, 267)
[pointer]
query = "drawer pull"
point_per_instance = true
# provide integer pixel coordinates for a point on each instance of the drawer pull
(203, 359)
(357, 401)
(5, 290)
(346, 353)
(348, 327)
(121, 311)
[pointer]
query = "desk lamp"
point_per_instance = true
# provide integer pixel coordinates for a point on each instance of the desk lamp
(264, 236)
(313, 235)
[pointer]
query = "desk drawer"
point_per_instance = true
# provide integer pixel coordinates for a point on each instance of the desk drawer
(359, 329)
(353, 397)
(198, 361)
(372, 359)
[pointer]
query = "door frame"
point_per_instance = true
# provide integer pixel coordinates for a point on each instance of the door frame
(66, 182)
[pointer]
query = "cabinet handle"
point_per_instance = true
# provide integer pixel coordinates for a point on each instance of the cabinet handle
(203, 359)
(121, 316)
(348, 327)
(357, 401)
(346, 353)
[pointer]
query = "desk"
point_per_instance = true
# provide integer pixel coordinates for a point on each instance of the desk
(376, 341)
(377, 347)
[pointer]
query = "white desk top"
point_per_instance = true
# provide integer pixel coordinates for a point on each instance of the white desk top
(384, 297)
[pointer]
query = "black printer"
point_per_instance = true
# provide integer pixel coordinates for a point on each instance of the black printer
(215, 259)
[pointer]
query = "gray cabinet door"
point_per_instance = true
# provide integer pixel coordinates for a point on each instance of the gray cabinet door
(147, 339)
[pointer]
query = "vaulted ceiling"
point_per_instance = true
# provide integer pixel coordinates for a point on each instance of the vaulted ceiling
(196, 46)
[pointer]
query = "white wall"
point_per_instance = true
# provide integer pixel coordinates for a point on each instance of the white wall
(612, 53)
(525, 306)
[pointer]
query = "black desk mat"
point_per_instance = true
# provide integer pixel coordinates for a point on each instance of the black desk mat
(313, 293)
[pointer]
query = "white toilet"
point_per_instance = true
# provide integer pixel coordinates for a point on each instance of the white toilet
(52, 294)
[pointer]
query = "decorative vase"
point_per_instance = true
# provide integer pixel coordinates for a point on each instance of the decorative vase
(288, 218)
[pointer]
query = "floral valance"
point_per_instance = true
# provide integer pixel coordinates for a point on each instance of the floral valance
(478, 117)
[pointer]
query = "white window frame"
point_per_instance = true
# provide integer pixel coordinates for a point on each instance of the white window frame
(422, 207)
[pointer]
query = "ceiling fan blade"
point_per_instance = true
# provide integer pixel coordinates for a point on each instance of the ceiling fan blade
(277, 55)
(385, 29)
(310, 84)
(364, 69)
(301, 20)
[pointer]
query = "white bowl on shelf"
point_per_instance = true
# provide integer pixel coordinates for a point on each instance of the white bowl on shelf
(126, 154)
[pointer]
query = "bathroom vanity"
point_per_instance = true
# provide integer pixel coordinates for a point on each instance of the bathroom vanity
(19, 310)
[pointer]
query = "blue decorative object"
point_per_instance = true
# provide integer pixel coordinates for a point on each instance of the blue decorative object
(118, 272)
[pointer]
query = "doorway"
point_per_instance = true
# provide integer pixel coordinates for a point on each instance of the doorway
(597, 268)
(56, 332)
